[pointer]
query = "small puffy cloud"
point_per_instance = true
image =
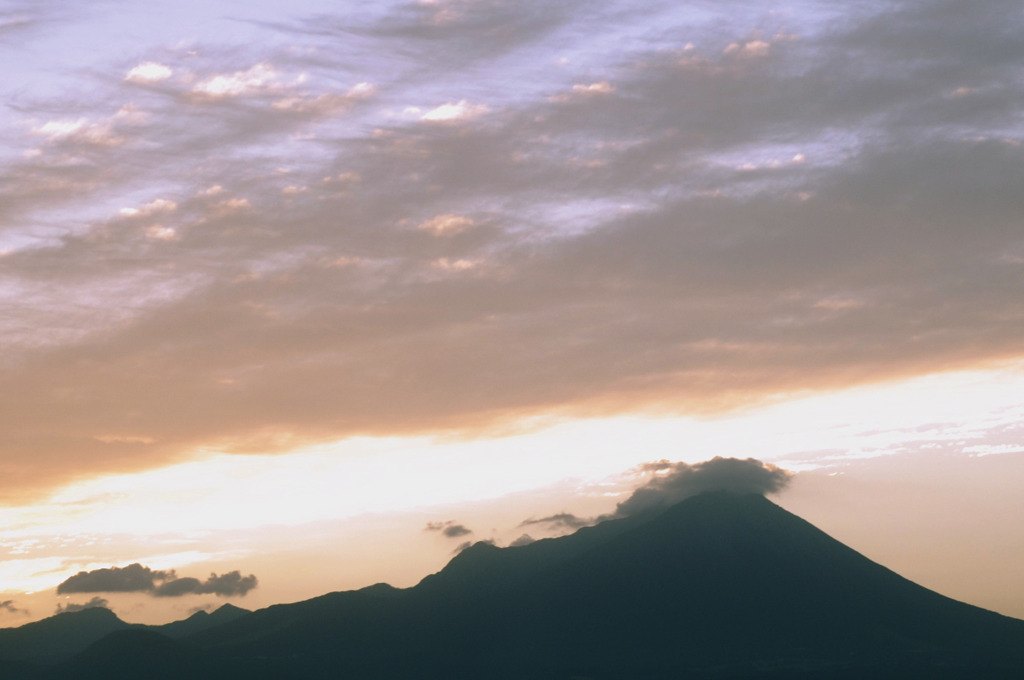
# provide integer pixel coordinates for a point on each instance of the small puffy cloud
(136, 578)
(234, 204)
(445, 225)
(751, 48)
(525, 539)
(226, 585)
(8, 606)
(130, 579)
(602, 87)
(149, 72)
(78, 131)
(449, 529)
(450, 112)
(159, 205)
(161, 233)
(91, 604)
(674, 482)
(238, 83)
(229, 584)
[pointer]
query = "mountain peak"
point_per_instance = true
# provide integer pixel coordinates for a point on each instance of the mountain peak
(721, 584)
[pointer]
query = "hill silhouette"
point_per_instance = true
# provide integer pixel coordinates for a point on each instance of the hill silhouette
(59, 636)
(200, 621)
(721, 585)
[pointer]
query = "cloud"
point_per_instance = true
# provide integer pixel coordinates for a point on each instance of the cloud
(226, 585)
(525, 539)
(138, 578)
(443, 225)
(451, 112)
(131, 579)
(675, 482)
(95, 602)
(670, 483)
(149, 72)
(562, 520)
(8, 606)
(449, 529)
(651, 243)
(254, 79)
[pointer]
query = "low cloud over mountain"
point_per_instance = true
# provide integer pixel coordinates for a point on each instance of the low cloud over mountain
(674, 482)
(138, 578)
(77, 607)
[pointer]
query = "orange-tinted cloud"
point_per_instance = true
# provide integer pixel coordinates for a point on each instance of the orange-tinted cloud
(633, 234)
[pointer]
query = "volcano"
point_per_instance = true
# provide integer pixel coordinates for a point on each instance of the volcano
(721, 585)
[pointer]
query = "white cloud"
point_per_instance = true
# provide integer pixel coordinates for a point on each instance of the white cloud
(362, 90)
(161, 233)
(602, 87)
(239, 83)
(444, 225)
(159, 205)
(80, 130)
(233, 204)
(461, 110)
(149, 72)
(458, 265)
(751, 48)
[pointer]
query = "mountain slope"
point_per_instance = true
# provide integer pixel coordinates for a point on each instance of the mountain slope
(719, 586)
(200, 621)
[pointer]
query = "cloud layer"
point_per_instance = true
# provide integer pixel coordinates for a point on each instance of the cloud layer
(442, 217)
(136, 578)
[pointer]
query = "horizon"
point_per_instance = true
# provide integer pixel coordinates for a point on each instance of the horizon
(300, 297)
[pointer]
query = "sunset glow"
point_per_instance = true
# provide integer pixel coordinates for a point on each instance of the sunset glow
(285, 285)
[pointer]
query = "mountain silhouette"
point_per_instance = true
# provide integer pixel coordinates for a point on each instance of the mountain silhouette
(58, 637)
(200, 621)
(721, 585)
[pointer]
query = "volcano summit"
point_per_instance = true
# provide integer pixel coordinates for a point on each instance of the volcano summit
(720, 585)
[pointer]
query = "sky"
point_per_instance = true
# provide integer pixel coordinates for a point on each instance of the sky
(301, 296)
